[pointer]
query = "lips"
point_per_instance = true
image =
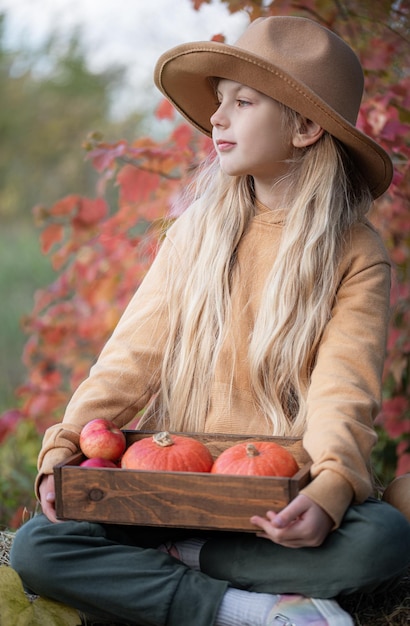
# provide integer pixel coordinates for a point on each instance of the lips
(223, 145)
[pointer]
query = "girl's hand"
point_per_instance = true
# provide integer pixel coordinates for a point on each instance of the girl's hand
(48, 497)
(302, 523)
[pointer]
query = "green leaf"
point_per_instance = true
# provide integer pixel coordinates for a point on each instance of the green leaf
(17, 609)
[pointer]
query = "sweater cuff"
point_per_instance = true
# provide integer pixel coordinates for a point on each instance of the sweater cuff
(50, 459)
(332, 493)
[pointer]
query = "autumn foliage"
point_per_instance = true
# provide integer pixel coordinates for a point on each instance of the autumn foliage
(100, 256)
(101, 247)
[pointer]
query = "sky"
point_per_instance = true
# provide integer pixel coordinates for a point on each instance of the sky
(131, 32)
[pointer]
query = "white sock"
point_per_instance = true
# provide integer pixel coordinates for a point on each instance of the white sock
(244, 608)
(189, 550)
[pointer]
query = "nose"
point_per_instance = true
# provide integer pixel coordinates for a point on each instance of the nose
(219, 118)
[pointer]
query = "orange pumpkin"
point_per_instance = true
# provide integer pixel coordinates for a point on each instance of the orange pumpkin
(260, 458)
(165, 452)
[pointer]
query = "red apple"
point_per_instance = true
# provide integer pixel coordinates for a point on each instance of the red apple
(98, 462)
(100, 438)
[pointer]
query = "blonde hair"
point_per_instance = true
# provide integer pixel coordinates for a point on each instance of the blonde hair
(327, 197)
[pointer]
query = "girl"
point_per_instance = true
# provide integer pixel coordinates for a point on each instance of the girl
(265, 312)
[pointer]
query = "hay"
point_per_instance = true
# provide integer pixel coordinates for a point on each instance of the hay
(6, 539)
(391, 608)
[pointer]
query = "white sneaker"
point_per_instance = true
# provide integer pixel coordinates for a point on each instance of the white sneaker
(295, 610)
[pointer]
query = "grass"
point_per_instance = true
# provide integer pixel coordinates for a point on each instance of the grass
(385, 609)
(23, 270)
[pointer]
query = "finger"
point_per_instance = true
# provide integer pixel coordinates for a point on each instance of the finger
(263, 523)
(281, 522)
(268, 531)
(295, 543)
(49, 512)
(292, 512)
(296, 532)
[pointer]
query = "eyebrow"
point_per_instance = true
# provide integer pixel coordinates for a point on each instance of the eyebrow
(234, 90)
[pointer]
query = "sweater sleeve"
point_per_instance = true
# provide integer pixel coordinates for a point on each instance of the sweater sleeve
(345, 392)
(126, 374)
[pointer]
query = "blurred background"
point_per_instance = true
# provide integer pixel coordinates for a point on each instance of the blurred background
(69, 68)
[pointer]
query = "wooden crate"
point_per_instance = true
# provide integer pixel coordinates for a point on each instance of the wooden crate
(176, 499)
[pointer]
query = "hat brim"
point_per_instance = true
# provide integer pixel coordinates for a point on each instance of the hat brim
(183, 75)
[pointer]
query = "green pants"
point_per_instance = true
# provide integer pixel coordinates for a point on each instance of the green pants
(115, 572)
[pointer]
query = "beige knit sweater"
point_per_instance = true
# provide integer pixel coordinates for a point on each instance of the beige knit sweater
(345, 388)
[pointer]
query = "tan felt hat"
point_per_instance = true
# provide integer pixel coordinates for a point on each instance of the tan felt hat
(294, 60)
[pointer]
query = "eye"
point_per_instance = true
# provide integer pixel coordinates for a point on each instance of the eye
(243, 103)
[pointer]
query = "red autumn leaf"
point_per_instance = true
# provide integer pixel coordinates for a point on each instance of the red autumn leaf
(59, 289)
(379, 54)
(103, 157)
(219, 38)
(393, 416)
(41, 407)
(182, 135)
(65, 206)
(53, 380)
(165, 110)
(403, 454)
(196, 4)
(90, 211)
(50, 236)
(136, 185)
(8, 422)
(63, 254)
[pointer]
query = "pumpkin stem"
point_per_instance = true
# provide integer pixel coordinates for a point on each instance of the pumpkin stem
(252, 450)
(163, 439)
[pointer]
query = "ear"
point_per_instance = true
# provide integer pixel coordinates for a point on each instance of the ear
(309, 132)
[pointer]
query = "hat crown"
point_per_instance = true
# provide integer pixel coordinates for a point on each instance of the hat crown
(312, 55)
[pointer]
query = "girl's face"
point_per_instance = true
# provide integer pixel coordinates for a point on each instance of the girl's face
(248, 134)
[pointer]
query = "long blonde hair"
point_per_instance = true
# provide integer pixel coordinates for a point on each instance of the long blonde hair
(327, 198)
